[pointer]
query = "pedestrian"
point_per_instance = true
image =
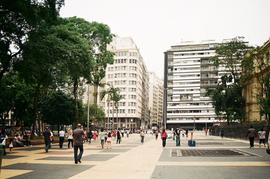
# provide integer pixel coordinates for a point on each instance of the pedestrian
(163, 137)
(109, 140)
(177, 137)
(70, 138)
(3, 141)
(118, 137)
(61, 138)
(156, 132)
(10, 145)
(251, 136)
(47, 139)
(89, 136)
(206, 131)
(78, 136)
(94, 135)
(186, 133)
(142, 136)
(102, 136)
(222, 133)
(261, 135)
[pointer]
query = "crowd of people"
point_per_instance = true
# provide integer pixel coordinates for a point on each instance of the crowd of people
(77, 137)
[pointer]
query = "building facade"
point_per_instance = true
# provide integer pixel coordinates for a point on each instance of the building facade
(188, 73)
(155, 100)
(253, 89)
(129, 74)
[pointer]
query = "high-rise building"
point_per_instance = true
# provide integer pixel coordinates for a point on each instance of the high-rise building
(129, 74)
(155, 100)
(188, 72)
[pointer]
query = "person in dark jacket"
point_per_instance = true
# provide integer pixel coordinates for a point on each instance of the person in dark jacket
(118, 137)
(78, 136)
(47, 138)
(251, 136)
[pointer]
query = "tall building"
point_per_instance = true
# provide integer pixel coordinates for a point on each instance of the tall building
(155, 100)
(253, 89)
(188, 72)
(129, 74)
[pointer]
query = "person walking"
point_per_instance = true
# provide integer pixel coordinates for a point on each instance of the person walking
(163, 137)
(70, 138)
(89, 136)
(102, 136)
(142, 136)
(222, 133)
(261, 135)
(3, 142)
(47, 139)
(109, 140)
(251, 136)
(61, 138)
(177, 137)
(78, 136)
(156, 132)
(118, 137)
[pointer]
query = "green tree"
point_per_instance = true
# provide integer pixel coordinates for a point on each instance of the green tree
(227, 96)
(113, 94)
(58, 108)
(96, 114)
(116, 97)
(17, 19)
(98, 36)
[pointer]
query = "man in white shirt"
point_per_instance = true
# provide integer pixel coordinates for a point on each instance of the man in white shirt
(61, 138)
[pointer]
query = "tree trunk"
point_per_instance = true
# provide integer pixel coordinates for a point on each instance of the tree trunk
(75, 91)
(95, 94)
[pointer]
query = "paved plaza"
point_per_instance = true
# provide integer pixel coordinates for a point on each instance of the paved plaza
(213, 157)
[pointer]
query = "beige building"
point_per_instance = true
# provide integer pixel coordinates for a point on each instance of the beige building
(155, 100)
(253, 88)
(129, 74)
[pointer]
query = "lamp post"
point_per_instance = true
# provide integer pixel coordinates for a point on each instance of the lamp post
(88, 106)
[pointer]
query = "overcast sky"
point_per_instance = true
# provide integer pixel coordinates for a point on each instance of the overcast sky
(155, 25)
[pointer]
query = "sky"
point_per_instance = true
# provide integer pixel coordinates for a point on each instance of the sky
(156, 25)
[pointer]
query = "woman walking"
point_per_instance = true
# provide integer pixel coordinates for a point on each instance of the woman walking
(142, 136)
(70, 138)
(163, 137)
(109, 141)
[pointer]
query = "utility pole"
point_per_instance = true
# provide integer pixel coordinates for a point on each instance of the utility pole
(88, 106)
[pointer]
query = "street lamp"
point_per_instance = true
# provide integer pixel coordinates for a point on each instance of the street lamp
(88, 106)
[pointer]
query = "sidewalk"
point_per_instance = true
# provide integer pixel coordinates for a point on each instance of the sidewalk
(138, 163)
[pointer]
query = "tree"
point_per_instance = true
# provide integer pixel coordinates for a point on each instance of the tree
(116, 97)
(227, 96)
(15, 97)
(112, 95)
(96, 113)
(58, 108)
(18, 18)
(99, 37)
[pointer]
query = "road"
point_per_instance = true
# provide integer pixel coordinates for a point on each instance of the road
(212, 157)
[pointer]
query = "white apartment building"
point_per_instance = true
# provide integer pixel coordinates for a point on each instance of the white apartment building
(129, 74)
(188, 72)
(155, 100)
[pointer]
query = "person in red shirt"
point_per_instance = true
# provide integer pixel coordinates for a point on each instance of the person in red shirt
(163, 137)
